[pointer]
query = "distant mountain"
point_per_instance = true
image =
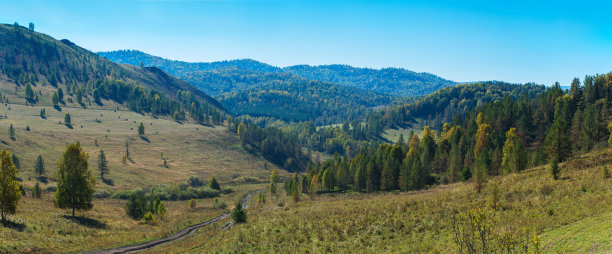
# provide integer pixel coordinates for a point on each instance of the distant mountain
(34, 66)
(393, 81)
(248, 87)
(291, 98)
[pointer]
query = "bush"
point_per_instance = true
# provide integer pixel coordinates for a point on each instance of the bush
(192, 203)
(125, 194)
(194, 181)
(219, 204)
(102, 193)
(605, 172)
(227, 190)
(136, 206)
(148, 218)
(51, 188)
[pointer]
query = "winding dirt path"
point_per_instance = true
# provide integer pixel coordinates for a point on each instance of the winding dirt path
(176, 236)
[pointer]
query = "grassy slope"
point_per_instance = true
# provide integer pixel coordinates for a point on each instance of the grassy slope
(190, 149)
(573, 217)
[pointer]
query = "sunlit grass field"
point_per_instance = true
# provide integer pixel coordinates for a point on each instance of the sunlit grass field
(572, 215)
(189, 150)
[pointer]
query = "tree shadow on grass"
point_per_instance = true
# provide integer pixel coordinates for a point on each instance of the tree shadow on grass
(145, 139)
(87, 222)
(14, 225)
(108, 182)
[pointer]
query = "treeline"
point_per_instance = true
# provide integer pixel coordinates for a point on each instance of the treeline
(495, 138)
(275, 145)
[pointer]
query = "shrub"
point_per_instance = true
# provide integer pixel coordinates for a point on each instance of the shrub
(194, 181)
(125, 194)
(51, 188)
(148, 218)
(102, 193)
(605, 172)
(136, 206)
(227, 190)
(192, 203)
(219, 204)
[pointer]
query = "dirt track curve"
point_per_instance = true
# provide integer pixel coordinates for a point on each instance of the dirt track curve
(176, 236)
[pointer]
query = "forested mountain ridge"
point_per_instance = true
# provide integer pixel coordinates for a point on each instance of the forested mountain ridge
(448, 103)
(251, 88)
(44, 70)
(394, 81)
(294, 99)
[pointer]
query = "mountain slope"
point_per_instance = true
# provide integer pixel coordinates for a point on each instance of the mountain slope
(395, 81)
(31, 60)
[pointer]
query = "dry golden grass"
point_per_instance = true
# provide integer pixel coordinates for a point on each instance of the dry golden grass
(40, 227)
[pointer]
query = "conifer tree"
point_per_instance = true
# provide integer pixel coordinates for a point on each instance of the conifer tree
(213, 184)
(37, 191)
(328, 179)
(75, 185)
(610, 130)
(427, 148)
(11, 132)
(418, 175)
(67, 119)
(239, 215)
(295, 192)
(515, 156)
(481, 154)
(558, 143)
(39, 166)
(314, 186)
(141, 129)
(360, 178)
(10, 192)
(102, 164)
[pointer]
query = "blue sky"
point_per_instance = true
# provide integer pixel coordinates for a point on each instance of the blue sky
(518, 41)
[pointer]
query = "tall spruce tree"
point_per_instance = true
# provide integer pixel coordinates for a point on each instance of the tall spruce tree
(39, 166)
(558, 143)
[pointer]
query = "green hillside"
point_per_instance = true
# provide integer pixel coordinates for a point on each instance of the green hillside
(33, 66)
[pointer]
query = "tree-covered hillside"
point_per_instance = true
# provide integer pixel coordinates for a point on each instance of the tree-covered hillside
(296, 99)
(394, 81)
(46, 71)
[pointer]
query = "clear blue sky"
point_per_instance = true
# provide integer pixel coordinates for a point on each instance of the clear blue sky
(519, 41)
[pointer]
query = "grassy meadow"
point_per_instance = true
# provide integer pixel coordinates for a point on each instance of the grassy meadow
(189, 149)
(570, 215)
